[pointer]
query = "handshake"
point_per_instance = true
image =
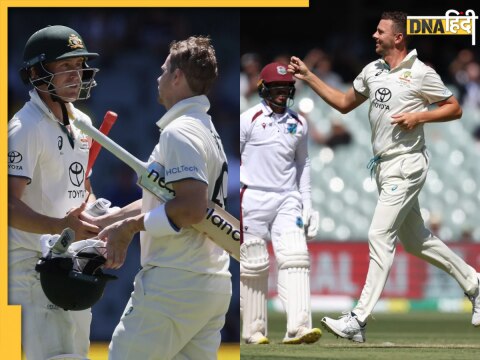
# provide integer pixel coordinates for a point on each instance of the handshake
(60, 244)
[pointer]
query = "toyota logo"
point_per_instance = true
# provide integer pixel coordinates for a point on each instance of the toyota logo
(77, 174)
(14, 157)
(383, 95)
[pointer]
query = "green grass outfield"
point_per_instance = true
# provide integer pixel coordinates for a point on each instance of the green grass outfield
(415, 335)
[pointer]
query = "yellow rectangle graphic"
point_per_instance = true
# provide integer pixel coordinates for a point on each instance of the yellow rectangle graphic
(439, 26)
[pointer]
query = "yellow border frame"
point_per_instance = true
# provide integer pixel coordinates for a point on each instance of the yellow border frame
(10, 328)
(155, 3)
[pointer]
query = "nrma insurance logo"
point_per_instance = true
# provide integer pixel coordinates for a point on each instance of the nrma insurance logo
(453, 23)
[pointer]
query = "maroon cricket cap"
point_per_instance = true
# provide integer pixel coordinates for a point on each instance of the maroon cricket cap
(275, 72)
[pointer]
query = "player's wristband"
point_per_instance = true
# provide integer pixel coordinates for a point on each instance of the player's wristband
(158, 224)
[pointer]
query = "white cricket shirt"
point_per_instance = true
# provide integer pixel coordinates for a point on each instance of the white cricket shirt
(410, 87)
(274, 151)
(189, 148)
(39, 149)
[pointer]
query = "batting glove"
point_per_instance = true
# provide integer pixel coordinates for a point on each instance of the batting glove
(100, 207)
(311, 219)
(56, 245)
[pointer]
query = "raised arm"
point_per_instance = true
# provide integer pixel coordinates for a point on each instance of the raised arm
(343, 102)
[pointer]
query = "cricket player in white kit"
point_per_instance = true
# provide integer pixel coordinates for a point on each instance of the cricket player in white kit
(183, 291)
(276, 206)
(400, 88)
(47, 158)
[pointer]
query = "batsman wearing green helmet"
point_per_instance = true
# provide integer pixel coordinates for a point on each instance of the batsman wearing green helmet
(47, 158)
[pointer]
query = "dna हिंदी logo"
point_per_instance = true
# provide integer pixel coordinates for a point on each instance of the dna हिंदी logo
(453, 23)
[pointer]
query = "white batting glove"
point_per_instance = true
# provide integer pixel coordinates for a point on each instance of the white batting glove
(57, 245)
(311, 220)
(100, 207)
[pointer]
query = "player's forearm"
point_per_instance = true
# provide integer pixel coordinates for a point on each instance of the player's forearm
(303, 175)
(131, 210)
(190, 203)
(330, 95)
(22, 217)
(304, 185)
(185, 212)
(135, 223)
(446, 112)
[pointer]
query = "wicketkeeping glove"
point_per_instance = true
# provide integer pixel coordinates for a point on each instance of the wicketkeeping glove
(311, 220)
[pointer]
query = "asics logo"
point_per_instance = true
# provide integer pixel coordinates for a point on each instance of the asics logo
(129, 311)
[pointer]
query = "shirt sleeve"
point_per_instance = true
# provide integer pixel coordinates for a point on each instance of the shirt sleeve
(360, 83)
(184, 155)
(302, 162)
(433, 88)
(243, 131)
(23, 149)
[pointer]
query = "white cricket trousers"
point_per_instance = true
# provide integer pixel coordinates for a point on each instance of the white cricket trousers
(47, 330)
(172, 314)
(397, 215)
(268, 214)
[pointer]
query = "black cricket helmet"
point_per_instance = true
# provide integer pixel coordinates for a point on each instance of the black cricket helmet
(75, 281)
(54, 43)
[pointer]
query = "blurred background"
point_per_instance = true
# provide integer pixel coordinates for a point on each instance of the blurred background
(133, 44)
(335, 41)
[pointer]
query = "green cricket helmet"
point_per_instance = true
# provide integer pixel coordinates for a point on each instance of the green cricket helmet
(54, 43)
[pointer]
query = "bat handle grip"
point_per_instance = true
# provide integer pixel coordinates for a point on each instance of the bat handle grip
(108, 121)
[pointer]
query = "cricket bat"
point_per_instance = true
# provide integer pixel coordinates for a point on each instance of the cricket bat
(219, 225)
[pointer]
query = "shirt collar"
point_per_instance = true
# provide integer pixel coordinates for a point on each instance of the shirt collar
(409, 59)
(193, 104)
(267, 110)
(37, 100)
(406, 62)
